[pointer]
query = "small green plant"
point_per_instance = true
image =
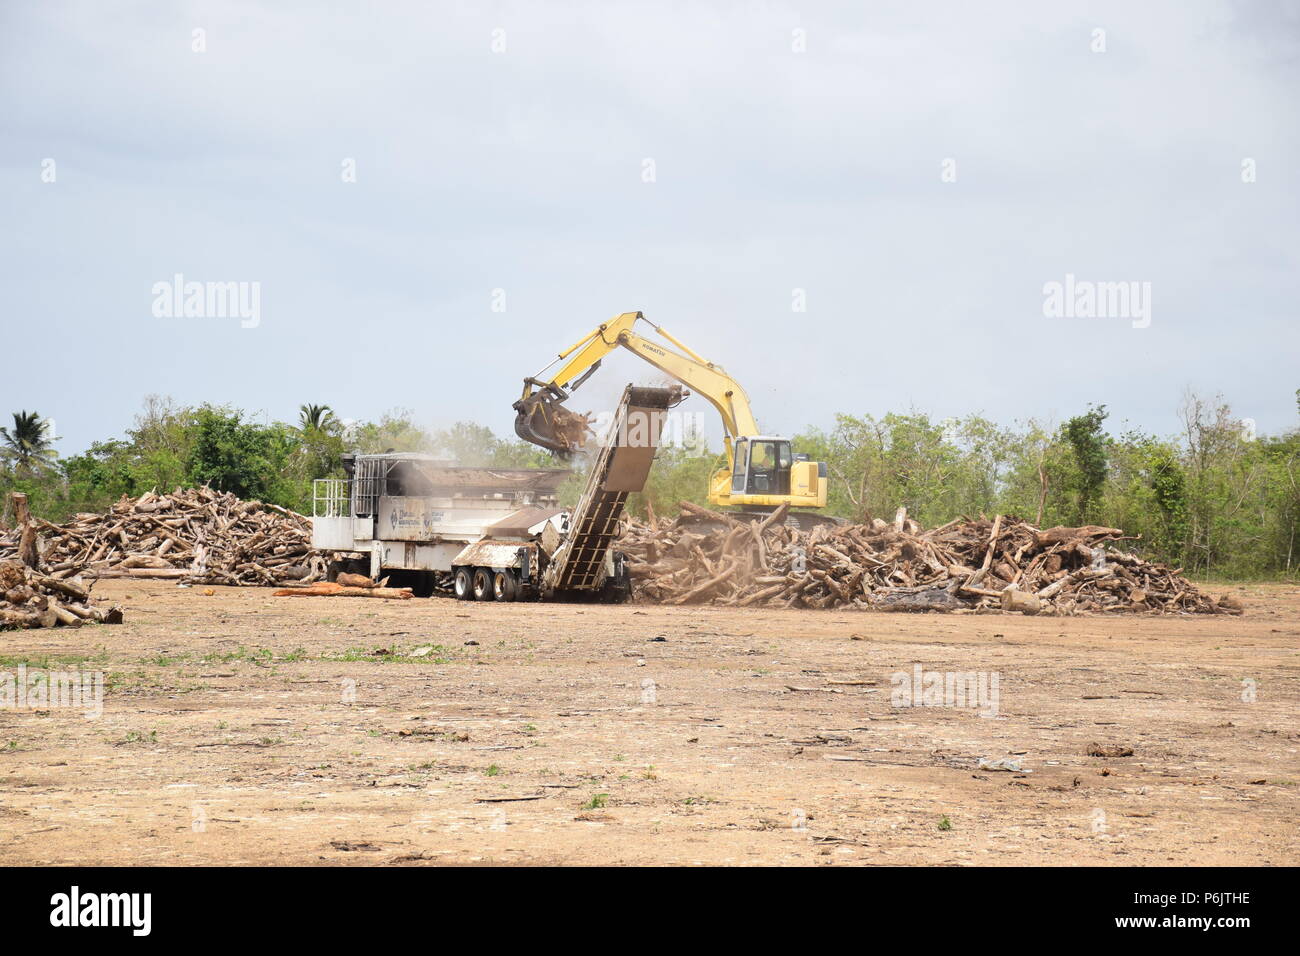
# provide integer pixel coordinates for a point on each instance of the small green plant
(598, 801)
(162, 659)
(493, 771)
(54, 661)
(945, 824)
(243, 654)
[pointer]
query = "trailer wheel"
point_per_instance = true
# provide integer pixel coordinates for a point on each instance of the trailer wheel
(463, 585)
(482, 584)
(504, 586)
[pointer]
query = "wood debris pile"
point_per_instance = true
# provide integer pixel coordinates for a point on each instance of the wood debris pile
(29, 598)
(710, 557)
(349, 585)
(195, 535)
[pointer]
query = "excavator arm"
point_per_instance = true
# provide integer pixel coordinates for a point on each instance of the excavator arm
(542, 421)
(761, 471)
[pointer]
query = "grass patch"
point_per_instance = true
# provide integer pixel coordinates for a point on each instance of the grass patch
(370, 655)
(165, 660)
(263, 655)
(53, 661)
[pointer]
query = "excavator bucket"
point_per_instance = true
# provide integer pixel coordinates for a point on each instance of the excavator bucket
(542, 419)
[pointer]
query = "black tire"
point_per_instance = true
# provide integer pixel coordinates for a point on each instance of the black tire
(505, 586)
(482, 584)
(463, 584)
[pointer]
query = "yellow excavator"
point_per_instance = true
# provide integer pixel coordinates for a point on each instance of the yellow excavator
(761, 472)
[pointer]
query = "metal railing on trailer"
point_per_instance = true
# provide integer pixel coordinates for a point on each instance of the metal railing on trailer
(368, 481)
(331, 498)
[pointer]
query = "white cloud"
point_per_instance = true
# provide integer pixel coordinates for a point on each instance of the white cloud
(521, 170)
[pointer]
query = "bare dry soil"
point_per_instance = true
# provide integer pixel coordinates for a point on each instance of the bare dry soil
(239, 728)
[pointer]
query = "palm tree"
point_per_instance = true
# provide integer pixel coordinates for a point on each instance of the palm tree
(319, 445)
(27, 444)
(315, 417)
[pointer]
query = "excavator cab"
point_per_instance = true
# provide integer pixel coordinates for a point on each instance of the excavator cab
(765, 474)
(761, 466)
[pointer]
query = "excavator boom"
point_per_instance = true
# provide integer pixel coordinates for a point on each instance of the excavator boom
(542, 419)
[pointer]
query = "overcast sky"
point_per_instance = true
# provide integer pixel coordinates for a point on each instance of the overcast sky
(795, 146)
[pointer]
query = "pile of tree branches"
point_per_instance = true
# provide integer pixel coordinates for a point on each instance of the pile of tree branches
(194, 535)
(1004, 563)
(29, 598)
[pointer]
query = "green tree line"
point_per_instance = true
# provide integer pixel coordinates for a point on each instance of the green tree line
(1214, 499)
(172, 446)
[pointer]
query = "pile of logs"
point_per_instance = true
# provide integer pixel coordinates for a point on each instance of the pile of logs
(29, 598)
(1007, 564)
(195, 535)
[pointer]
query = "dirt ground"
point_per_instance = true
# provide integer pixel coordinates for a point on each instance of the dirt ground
(239, 728)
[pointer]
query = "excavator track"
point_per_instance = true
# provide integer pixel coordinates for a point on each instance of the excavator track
(800, 520)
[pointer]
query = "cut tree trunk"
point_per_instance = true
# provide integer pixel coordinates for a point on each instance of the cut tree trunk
(28, 552)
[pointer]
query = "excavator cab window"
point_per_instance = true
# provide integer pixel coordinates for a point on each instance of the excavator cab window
(740, 469)
(769, 468)
(784, 460)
